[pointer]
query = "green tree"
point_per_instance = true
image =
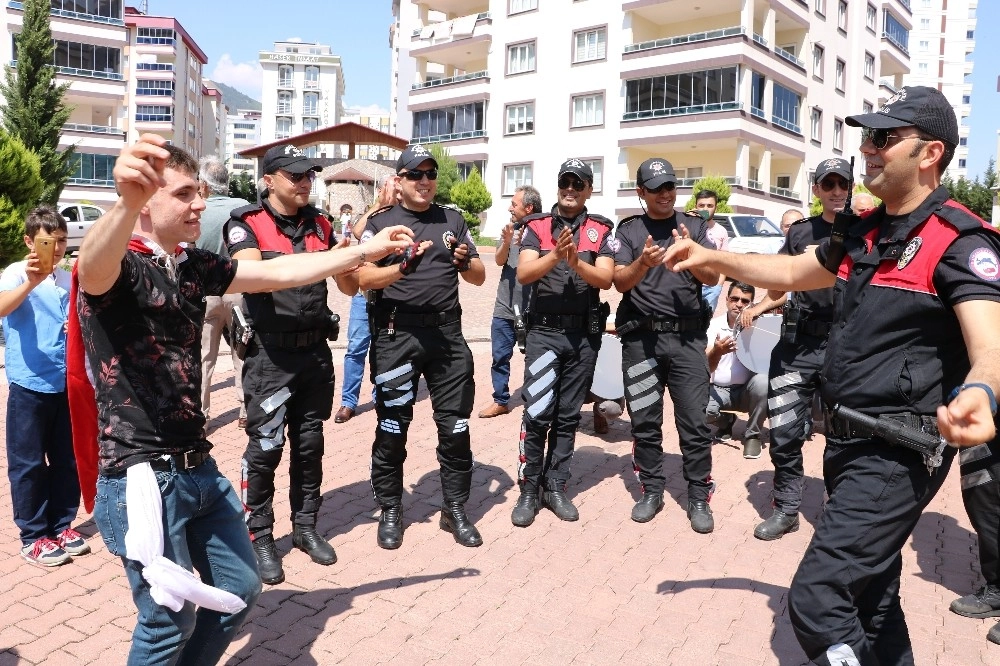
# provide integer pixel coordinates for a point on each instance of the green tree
(35, 110)
(473, 198)
(975, 195)
(447, 173)
(242, 186)
(718, 185)
(20, 188)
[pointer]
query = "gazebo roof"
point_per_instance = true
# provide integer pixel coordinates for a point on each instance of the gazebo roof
(352, 170)
(352, 134)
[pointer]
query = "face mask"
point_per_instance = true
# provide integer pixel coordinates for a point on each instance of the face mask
(704, 213)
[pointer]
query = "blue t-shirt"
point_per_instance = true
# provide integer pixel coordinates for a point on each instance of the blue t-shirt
(36, 331)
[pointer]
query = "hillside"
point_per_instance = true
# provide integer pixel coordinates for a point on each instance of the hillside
(235, 100)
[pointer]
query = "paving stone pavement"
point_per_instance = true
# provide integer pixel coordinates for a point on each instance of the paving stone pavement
(602, 590)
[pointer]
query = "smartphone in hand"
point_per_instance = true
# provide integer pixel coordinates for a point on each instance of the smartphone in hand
(45, 247)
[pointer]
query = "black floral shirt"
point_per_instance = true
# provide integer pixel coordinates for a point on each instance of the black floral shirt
(143, 345)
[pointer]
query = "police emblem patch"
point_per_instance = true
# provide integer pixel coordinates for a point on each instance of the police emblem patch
(366, 236)
(909, 252)
(614, 244)
(319, 232)
(237, 235)
(592, 235)
(449, 238)
(984, 263)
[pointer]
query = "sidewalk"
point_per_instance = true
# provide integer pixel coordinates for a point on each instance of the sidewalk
(603, 590)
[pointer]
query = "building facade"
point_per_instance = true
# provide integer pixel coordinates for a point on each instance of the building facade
(213, 114)
(942, 45)
(242, 133)
(303, 91)
(755, 91)
(379, 121)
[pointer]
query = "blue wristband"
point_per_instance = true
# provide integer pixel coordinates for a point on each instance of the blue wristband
(985, 387)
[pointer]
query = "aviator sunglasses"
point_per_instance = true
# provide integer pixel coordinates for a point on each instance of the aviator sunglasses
(665, 187)
(296, 178)
(827, 184)
(880, 137)
(737, 299)
(418, 174)
(566, 183)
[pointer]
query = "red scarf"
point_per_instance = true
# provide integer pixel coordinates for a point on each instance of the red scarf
(80, 391)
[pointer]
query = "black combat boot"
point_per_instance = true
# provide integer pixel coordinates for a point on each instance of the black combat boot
(647, 507)
(454, 520)
(267, 560)
(777, 526)
(390, 527)
(527, 506)
(306, 538)
(560, 505)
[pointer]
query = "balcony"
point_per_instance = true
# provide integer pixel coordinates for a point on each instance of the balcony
(286, 83)
(685, 39)
(440, 138)
(758, 112)
(681, 111)
(91, 182)
(154, 92)
(785, 192)
(284, 109)
(310, 112)
(87, 73)
(154, 66)
(92, 129)
(157, 41)
(895, 41)
(154, 117)
(786, 124)
(455, 43)
(311, 84)
(79, 16)
(790, 57)
(681, 182)
(435, 83)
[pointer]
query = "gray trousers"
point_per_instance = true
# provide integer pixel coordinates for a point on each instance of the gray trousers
(750, 398)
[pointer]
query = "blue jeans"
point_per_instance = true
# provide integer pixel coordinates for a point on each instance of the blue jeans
(359, 337)
(203, 529)
(711, 294)
(44, 487)
(503, 337)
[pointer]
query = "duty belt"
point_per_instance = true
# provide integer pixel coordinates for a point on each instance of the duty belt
(417, 319)
(815, 327)
(291, 339)
(567, 322)
(844, 429)
(672, 325)
(180, 461)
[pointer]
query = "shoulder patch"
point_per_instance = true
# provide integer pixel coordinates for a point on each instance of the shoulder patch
(237, 235)
(984, 263)
(366, 236)
(614, 244)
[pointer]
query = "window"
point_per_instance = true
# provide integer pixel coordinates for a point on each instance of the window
(153, 113)
(309, 125)
(246, 126)
(152, 88)
(816, 124)
(90, 167)
(842, 15)
(841, 77)
(963, 140)
(465, 168)
(588, 110)
(517, 6)
(970, 34)
(784, 182)
(159, 36)
(96, 60)
(310, 104)
(284, 102)
(924, 45)
(521, 118)
(282, 128)
(240, 135)
(896, 32)
(450, 122)
(514, 176)
(871, 17)
(961, 164)
(838, 134)
(757, 86)
(922, 68)
(597, 166)
(590, 45)
(818, 52)
(104, 8)
(285, 76)
(312, 77)
(869, 66)
(966, 99)
(785, 105)
(820, 6)
(672, 94)
(925, 24)
(521, 58)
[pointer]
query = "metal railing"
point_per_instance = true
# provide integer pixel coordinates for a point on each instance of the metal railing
(888, 36)
(93, 182)
(155, 66)
(156, 41)
(886, 83)
(92, 129)
(760, 39)
(685, 39)
(789, 56)
(154, 92)
(755, 185)
(481, 16)
(449, 80)
(786, 124)
(94, 18)
(680, 182)
(284, 109)
(154, 118)
(285, 83)
(785, 192)
(89, 73)
(757, 112)
(682, 111)
(474, 134)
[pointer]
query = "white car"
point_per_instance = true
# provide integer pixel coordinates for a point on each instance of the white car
(751, 234)
(79, 219)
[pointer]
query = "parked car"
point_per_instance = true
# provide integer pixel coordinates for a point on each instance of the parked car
(751, 234)
(79, 219)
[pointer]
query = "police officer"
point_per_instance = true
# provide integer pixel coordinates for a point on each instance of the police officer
(913, 341)
(793, 377)
(566, 257)
(416, 326)
(288, 370)
(661, 322)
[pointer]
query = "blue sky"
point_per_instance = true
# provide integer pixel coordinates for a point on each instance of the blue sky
(231, 34)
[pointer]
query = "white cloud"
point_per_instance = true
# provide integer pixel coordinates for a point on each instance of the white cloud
(247, 77)
(369, 110)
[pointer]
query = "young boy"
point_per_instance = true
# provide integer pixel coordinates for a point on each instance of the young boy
(44, 488)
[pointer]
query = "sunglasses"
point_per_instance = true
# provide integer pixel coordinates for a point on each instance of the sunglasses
(737, 299)
(566, 183)
(418, 174)
(665, 187)
(880, 137)
(297, 178)
(827, 184)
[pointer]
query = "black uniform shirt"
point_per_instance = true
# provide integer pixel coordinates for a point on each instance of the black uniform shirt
(900, 349)
(660, 292)
(562, 290)
(433, 287)
(803, 233)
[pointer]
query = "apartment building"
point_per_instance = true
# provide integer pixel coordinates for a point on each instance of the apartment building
(242, 133)
(753, 90)
(213, 114)
(303, 92)
(165, 86)
(943, 41)
(379, 121)
(90, 44)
